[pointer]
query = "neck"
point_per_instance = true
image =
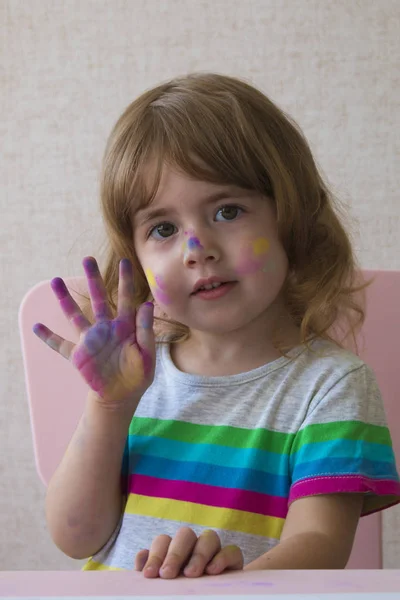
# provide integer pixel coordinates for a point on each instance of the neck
(229, 353)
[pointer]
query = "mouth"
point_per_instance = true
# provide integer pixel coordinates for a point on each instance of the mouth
(211, 287)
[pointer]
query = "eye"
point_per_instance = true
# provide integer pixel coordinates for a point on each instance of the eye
(229, 213)
(162, 231)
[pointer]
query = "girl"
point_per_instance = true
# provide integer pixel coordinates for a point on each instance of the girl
(249, 436)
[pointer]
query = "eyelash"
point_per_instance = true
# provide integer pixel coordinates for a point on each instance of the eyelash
(154, 227)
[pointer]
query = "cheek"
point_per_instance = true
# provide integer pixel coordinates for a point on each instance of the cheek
(158, 287)
(255, 256)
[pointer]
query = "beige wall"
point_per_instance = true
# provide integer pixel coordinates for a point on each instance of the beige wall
(70, 67)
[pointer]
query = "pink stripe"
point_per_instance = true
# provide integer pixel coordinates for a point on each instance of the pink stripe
(343, 483)
(187, 491)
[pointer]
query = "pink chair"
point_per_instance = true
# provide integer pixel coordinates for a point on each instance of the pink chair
(56, 392)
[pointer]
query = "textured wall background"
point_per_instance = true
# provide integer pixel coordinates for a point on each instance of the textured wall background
(70, 67)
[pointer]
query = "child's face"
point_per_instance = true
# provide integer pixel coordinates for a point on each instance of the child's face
(196, 230)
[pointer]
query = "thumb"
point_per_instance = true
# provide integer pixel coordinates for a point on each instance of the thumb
(144, 331)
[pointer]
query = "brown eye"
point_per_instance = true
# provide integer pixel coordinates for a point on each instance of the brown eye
(229, 213)
(163, 230)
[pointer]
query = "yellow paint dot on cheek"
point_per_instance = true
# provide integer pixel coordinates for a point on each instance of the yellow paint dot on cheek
(260, 246)
(150, 277)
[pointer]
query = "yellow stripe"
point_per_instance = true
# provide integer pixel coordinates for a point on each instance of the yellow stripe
(207, 516)
(92, 565)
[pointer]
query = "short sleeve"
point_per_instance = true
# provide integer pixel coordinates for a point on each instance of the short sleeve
(344, 445)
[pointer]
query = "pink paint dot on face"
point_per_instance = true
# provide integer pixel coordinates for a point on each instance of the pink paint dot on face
(254, 257)
(161, 296)
(159, 282)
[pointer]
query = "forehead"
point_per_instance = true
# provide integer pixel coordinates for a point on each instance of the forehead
(175, 184)
(172, 187)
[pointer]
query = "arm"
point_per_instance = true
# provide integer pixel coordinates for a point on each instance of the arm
(84, 497)
(318, 534)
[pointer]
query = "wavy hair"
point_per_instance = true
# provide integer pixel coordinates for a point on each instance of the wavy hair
(223, 130)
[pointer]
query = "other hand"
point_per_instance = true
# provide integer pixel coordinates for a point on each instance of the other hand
(189, 555)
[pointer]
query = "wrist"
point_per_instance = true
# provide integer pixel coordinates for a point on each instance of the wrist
(116, 416)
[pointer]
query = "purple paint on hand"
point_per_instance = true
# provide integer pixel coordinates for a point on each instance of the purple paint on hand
(147, 316)
(97, 336)
(90, 266)
(59, 288)
(39, 330)
(126, 266)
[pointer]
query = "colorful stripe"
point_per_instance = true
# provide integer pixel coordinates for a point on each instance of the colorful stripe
(343, 430)
(350, 484)
(219, 435)
(221, 497)
(246, 479)
(207, 516)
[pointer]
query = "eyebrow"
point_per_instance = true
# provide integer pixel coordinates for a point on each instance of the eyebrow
(148, 214)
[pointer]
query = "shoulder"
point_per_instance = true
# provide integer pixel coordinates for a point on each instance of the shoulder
(342, 386)
(326, 364)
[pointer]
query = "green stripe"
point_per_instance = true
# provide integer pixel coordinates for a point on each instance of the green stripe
(219, 435)
(344, 430)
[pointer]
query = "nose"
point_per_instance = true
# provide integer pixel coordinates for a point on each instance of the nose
(194, 252)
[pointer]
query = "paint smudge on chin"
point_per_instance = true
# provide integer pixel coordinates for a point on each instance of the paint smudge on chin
(254, 257)
(157, 287)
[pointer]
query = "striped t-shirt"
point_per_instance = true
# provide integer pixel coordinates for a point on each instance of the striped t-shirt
(231, 453)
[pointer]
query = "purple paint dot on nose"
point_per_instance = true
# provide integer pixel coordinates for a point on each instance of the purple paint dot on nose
(194, 242)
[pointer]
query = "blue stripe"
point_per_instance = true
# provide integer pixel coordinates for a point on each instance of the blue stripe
(260, 460)
(344, 466)
(227, 477)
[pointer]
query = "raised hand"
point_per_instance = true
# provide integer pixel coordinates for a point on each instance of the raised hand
(116, 357)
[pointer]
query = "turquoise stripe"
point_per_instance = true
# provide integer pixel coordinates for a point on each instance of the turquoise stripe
(340, 448)
(260, 460)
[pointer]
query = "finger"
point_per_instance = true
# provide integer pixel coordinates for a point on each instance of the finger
(97, 291)
(126, 291)
(157, 553)
(141, 559)
(145, 336)
(68, 305)
(54, 341)
(207, 546)
(230, 557)
(179, 552)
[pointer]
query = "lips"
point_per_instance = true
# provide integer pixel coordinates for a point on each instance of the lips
(202, 284)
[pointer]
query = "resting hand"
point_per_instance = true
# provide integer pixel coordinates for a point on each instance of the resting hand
(189, 555)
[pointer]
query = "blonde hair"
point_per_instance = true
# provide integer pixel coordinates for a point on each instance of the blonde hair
(223, 130)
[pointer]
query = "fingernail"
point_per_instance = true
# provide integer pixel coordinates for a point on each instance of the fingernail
(90, 265)
(126, 266)
(166, 571)
(151, 569)
(190, 569)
